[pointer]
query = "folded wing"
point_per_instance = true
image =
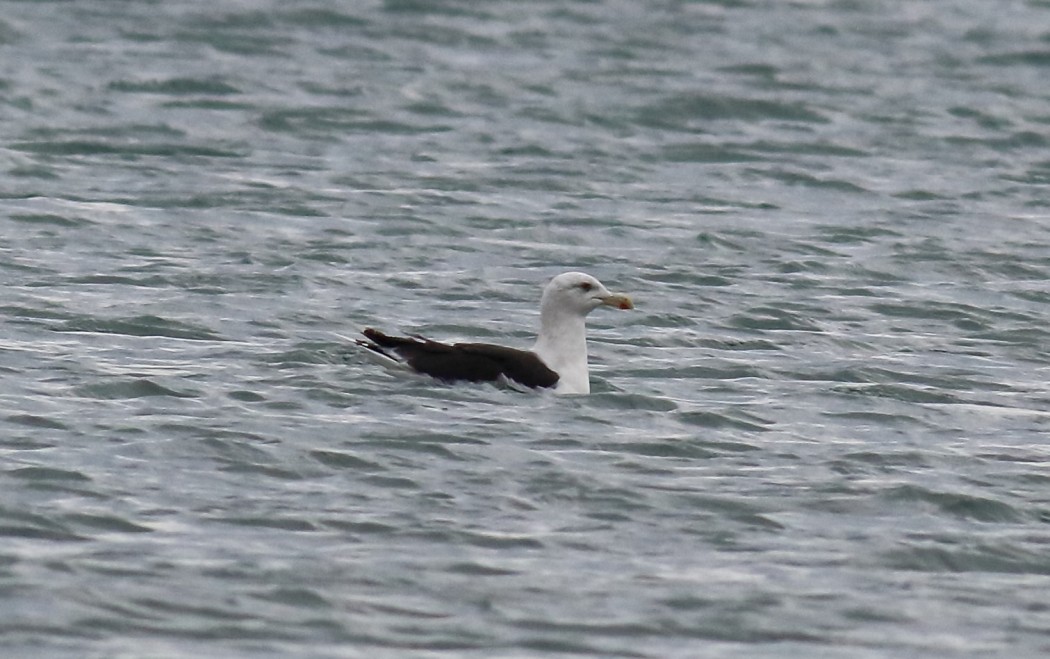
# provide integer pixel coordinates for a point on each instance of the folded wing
(471, 362)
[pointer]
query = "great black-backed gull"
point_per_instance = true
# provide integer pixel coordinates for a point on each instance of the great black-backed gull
(557, 360)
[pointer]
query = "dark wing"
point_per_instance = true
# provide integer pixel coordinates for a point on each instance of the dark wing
(472, 362)
(521, 366)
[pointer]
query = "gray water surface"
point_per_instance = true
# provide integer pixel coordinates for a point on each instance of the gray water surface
(822, 433)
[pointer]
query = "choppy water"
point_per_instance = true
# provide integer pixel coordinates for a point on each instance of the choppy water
(823, 432)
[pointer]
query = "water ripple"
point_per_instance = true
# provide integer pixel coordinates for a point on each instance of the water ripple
(822, 427)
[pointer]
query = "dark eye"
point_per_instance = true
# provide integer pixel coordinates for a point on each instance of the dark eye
(586, 286)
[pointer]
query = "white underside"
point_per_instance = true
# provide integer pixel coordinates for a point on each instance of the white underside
(562, 345)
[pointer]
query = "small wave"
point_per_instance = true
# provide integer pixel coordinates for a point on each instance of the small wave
(140, 326)
(129, 388)
(955, 504)
(962, 556)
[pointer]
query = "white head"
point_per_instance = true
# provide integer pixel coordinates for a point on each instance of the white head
(580, 293)
(562, 340)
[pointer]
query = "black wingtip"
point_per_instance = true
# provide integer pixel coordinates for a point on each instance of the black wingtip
(374, 345)
(372, 334)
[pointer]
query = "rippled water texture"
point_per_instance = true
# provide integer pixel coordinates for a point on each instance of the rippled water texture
(821, 433)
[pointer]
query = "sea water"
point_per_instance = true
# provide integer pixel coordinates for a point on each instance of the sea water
(821, 433)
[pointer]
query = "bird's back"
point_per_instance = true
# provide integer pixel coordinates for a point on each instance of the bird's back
(471, 362)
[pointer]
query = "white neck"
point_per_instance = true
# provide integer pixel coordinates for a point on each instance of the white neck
(562, 345)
